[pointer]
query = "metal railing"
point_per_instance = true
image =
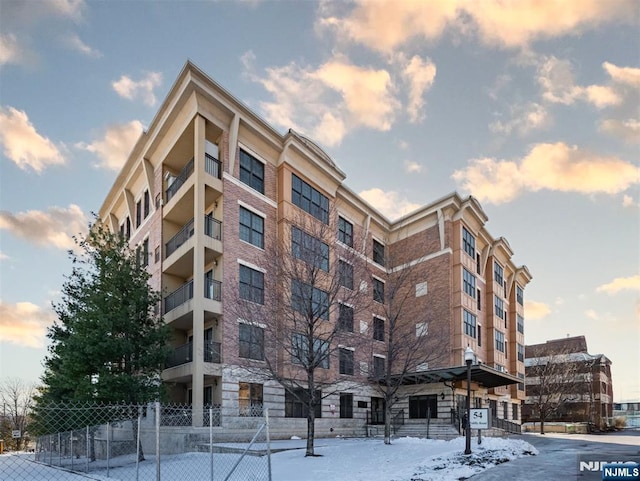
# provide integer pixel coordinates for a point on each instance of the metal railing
(180, 355)
(506, 425)
(212, 352)
(184, 174)
(180, 238)
(212, 166)
(213, 289)
(178, 297)
(212, 227)
(397, 419)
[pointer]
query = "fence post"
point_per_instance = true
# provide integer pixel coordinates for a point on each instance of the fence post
(138, 448)
(211, 439)
(71, 449)
(108, 447)
(157, 441)
(266, 417)
(50, 452)
(59, 449)
(88, 456)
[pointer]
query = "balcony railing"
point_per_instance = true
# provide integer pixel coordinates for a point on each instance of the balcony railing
(178, 297)
(180, 355)
(212, 166)
(212, 352)
(213, 289)
(180, 238)
(506, 425)
(212, 227)
(179, 180)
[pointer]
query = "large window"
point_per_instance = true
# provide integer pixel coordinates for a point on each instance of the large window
(345, 231)
(309, 249)
(468, 242)
(296, 401)
(469, 323)
(378, 329)
(251, 342)
(378, 366)
(500, 341)
(469, 283)
(346, 361)
(251, 171)
(251, 228)
(520, 352)
(378, 252)
(251, 285)
(309, 301)
(250, 399)
(345, 318)
(519, 295)
(345, 274)
(520, 323)
(346, 405)
(378, 290)
(142, 253)
(309, 199)
(498, 273)
(521, 384)
(300, 353)
(499, 305)
(147, 202)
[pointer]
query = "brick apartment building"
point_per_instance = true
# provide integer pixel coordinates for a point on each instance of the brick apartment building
(588, 395)
(203, 195)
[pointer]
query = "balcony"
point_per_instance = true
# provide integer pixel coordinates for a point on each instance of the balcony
(212, 352)
(212, 166)
(184, 174)
(213, 290)
(180, 238)
(184, 354)
(178, 297)
(212, 227)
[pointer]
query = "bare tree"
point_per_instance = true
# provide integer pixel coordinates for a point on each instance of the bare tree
(17, 399)
(555, 378)
(305, 315)
(411, 340)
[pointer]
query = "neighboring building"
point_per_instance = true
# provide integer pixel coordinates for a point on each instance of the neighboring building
(203, 194)
(630, 411)
(588, 396)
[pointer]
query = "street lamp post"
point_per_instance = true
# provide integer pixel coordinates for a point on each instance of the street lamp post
(468, 358)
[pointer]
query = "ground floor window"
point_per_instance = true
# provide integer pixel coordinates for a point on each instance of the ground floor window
(505, 410)
(422, 407)
(250, 399)
(296, 401)
(346, 405)
(515, 412)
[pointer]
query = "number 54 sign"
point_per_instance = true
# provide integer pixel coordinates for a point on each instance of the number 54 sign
(479, 418)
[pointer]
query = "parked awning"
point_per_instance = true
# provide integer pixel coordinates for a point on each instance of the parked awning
(480, 373)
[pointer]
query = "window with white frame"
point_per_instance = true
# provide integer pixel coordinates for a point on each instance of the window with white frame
(345, 231)
(251, 284)
(251, 227)
(251, 342)
(251, 171)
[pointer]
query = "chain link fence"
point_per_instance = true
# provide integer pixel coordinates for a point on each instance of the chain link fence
(142, 443)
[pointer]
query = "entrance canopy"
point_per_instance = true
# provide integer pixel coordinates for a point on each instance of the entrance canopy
(480, 373)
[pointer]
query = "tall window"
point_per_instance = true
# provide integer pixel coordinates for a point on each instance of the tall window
(469, 283)
(345, 274)
(498, 273)
(138, 213)
(251, 285)
(468, 242)
(378, 290)
(250, 399)
(147, 202)
(378, 329)
(469, 323)
(346, 361)
(479, 298)
(251, 228)
(346, 405)
(142, 253)
(519, 295)
(345, 231)
(296, 401)
(309, 249)
(521, 384)
(479, 335)
(345, 318)
(309, 300)
(251, 171)
(378, 366)
(309, 199)
(520, 353)
(520, 323)
(499, 305)
(300, 353)
(500, 341)
(378, 252)
(251, 342)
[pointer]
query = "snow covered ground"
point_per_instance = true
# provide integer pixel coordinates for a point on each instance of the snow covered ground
(407, 459)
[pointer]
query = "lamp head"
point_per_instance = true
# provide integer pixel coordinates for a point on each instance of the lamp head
(469, 355)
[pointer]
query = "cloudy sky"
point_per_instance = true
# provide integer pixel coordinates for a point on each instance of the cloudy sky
(532, 107)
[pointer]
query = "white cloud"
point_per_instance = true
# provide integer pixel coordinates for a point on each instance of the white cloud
(388, 203)
(143, 88)
(557, 167)
(23, 145)
(3, 256)
(420, 75)
(24, 324)
(412, 167)
(534, 310)
(602, 96)
(115, 146)
(591, 314)
(66, 8)
(631, 283)
(10, 50)
(75, 43)
(623, 75)
(627, 130)
(525, 118)
(627, 201)
(556, 78)
(55, 227)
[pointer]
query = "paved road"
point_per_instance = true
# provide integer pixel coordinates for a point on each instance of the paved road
(559, 453)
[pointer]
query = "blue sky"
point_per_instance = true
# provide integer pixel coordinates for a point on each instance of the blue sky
(532, 107)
